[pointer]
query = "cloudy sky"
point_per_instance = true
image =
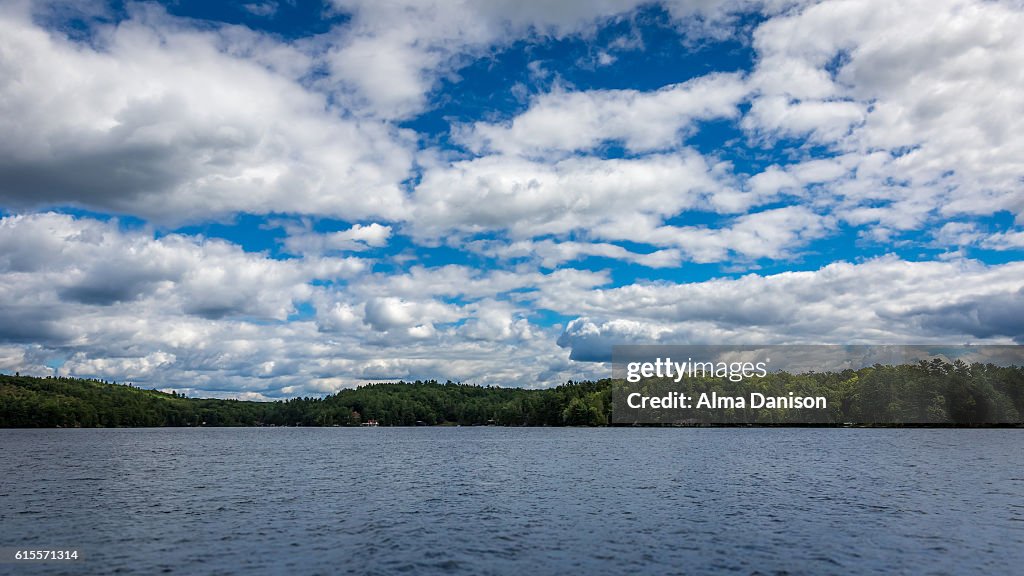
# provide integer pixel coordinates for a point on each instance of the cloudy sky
(264, 199)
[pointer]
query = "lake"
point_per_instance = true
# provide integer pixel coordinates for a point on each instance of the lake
(515, 500)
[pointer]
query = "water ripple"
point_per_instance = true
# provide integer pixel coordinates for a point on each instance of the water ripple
(512, 501)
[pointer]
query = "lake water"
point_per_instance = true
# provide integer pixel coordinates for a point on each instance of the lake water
(515, 501)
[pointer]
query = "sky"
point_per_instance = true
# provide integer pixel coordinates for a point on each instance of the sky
(270, 199)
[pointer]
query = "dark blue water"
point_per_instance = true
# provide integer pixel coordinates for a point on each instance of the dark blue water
(516, 501)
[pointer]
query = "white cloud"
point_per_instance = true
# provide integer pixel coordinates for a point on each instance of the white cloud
(916, 133)
(622, 200)
(28, 359)
(416, 318)
(493, 320)
(266, 9)
(146, 325)
(530, 198)
(563, 121)
(821, 121)
(551, 254)
(968, 234)
(163, 120)
(886, 300)
(926, 92)
(205, 317)
(302, 239)
(916, 103)
(590, 341)
(118, 369)
(94, 264)
(772, 234)
(339, 316)
(957, 234)
(1010, 240)
(391, 53)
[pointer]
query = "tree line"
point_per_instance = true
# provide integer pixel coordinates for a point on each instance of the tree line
(926, 393)
(936, 392)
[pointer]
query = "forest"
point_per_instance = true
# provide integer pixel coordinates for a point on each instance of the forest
(927, 393)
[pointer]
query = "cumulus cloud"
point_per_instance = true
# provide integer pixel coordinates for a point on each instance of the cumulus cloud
(302, 239)
(267, 9)
(495, 320)
(95, 298)
(918, 132)
(532, 198)
(551, 254)
(590, 341)
(887, 119)
(162, 119)
(769, 234)
(415, 318)
(881, 301)
(563, 121)
(28, 359)
(118, 368)
(389, 56)
(1010, 240)
(205, 316)
(925, 93)
(93, 263)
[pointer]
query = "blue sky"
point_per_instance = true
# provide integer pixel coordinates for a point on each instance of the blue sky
(270, 199)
